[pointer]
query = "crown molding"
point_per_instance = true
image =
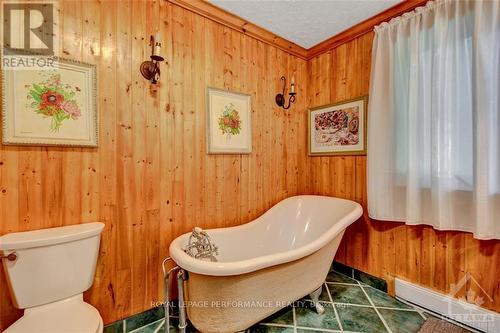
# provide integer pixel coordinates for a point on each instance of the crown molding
(363, 27)
(216, 14)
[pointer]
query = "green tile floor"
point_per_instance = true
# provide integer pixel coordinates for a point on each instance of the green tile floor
(350, 306)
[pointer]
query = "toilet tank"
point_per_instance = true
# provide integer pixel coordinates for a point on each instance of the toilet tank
(51, 264)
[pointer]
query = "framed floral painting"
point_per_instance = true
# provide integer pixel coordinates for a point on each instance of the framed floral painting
(338, 129)
(56, 106)
(229, 123)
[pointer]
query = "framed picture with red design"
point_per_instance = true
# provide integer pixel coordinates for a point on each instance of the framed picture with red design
(52, 106)
(229, 122)
(339, 128)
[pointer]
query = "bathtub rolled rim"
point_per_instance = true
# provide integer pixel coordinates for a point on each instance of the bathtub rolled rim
(231, 268)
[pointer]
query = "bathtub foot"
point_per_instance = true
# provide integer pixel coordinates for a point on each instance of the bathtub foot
(315, 298)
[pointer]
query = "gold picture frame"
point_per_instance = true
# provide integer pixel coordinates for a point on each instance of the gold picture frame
(339, 128)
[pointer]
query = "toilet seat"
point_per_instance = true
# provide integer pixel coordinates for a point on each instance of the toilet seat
(71, 315)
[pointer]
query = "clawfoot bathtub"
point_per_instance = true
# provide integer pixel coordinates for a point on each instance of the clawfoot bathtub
(266, 264)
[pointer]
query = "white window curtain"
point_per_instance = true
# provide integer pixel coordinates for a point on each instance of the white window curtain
(434, 118)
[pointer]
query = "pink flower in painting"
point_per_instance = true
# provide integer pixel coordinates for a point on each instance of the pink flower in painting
(71, 108)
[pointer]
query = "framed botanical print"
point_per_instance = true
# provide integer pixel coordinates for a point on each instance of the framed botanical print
(229, 122)
(338, 129)
(56, 106)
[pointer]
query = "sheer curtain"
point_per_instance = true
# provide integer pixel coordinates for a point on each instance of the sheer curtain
(434, 118)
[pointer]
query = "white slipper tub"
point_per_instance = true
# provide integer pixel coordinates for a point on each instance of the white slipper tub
(266, 264)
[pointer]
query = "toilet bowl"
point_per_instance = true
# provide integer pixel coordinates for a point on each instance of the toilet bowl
(71, 315)
(47, 272)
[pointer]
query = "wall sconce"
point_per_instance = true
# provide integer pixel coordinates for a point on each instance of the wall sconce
(150, 69)
(280, 98)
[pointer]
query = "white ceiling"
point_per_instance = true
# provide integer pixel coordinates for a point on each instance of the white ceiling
(305, 22)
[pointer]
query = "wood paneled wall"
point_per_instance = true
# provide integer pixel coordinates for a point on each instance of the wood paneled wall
(420, 254)
(151, 180)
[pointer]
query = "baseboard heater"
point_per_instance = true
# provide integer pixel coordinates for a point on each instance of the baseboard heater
(459, 311)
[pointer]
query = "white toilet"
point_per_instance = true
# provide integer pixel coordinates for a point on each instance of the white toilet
(47, 271)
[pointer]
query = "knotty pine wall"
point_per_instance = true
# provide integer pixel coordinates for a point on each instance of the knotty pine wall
(430, 258)
(151, 180)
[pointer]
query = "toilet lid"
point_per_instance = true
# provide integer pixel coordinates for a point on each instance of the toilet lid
(63, 317)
